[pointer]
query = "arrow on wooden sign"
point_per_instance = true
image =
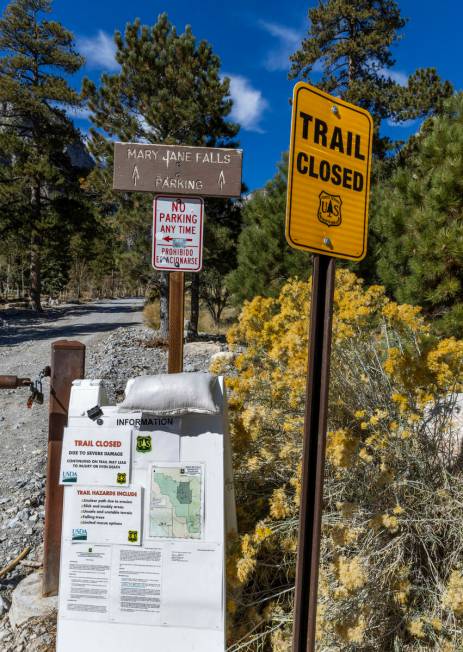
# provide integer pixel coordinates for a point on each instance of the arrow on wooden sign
(221, 180)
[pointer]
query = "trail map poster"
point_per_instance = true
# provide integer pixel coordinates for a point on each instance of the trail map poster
(176, 501)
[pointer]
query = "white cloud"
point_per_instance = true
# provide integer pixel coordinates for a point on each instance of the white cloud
(248, 103)
(401, 123)
(288, 42)
(80, 113)
(399, 77)
(99, 50)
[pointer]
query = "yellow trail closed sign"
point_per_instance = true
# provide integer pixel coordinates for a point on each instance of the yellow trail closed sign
(328, 175)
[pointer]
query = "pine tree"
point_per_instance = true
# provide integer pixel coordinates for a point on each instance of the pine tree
(38, 184)
(264, 259)
(169, 90)
(419, 222)
(351, 40)
(222, 229)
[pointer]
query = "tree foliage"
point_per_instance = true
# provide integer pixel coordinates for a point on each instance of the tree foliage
(168, 90)
(39, 187)
(351, 42)
(264, 258)
(418, 220)
(223, 226)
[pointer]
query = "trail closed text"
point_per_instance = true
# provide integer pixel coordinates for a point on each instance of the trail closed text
(329, 175)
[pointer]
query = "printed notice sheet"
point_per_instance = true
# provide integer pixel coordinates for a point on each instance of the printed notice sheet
(96, 455)
(176, 507)
(172, 584)
(136, 586)
(105, 515)
(193, 585)
(86, 582)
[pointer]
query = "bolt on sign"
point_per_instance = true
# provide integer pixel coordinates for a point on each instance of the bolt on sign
(178, 233)
(329, 175)
(177, 169)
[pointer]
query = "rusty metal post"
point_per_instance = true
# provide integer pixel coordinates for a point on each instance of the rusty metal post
(313, 460)
(13, 382)
(67, 364)
(176, 314)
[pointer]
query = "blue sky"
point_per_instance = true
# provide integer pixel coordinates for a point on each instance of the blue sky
(254, 39)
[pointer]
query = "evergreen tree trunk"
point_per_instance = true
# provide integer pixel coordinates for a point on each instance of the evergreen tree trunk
(194, 308)
(36, 281)
(164, 305)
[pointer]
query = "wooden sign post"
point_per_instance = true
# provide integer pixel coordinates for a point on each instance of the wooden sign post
(176, 318)
(327, 215)
(67, 365)
(180, 176)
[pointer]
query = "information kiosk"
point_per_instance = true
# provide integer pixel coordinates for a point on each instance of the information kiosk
(148, 503)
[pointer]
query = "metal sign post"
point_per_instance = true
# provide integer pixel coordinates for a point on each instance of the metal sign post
(180, 175)
(313, 454)
(327, 215)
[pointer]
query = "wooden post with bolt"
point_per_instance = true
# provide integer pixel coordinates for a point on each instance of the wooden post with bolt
(67, 365)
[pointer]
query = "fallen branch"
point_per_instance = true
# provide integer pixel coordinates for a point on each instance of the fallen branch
(31, 564)
(12, 565)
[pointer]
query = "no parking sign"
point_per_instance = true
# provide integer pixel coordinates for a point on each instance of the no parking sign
(178, 233)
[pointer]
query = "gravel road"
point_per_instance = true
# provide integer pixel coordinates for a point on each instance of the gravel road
(25, 338)
(118, 347)
(25, 344)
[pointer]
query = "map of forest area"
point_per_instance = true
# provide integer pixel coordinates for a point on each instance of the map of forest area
(176, 501)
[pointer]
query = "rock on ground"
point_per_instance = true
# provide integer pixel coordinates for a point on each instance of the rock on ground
(27, 601)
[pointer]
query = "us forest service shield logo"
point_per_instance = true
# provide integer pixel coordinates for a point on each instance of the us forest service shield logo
(144, 444)
(329, 209)
(133, 536)
(121, 478)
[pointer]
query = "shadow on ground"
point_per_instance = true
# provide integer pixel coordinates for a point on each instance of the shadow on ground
(17, 326)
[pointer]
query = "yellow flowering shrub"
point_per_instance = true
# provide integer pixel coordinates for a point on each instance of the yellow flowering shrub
(392, 532)
(453, 596)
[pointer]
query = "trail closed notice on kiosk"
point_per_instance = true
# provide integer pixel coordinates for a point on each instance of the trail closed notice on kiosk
(178, 233)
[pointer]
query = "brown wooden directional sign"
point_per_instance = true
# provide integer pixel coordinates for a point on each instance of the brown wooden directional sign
(177, 169)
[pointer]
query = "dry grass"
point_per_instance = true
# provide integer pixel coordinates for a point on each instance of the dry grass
(207, 325)
(151, 317)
